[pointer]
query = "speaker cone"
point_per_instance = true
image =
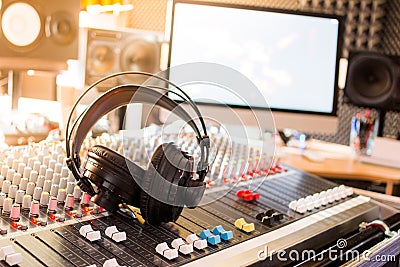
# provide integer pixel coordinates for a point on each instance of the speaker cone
(101, 59)
(139, 55)
(61, 28)
(370, 80)
(21, 25)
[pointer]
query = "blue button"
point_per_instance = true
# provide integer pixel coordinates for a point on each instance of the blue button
(205, 234)
(218, 230)
(214, 239)
(226, 235)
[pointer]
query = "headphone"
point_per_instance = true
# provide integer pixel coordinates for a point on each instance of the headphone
(169, 182)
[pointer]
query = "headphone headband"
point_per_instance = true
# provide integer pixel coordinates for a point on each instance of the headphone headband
(186, 97)
(121, 96)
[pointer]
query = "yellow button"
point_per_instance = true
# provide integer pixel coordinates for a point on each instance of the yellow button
(243, 225)
(248, 227)
(239, 223)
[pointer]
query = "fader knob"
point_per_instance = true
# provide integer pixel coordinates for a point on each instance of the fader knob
(42, 170)
(61, 195)
(71, 177)
(34, 209)
(111, 263)
(61, 159)
(26, 202)
(47, 185)
(10, 175)
(329, 195)
(44, 198)
(69, 203)
(12, 192)
(56, 178)
(30, 187)
(7, 204)
(37, 193)
(4, 170)
(49, 174)
(27, 172)
(57, 168)
(63, 183)
(323, 198)
(70, 187)
(64, 172)
(54, 190)
(40, 181)
(16, 179)
(52, 164)
(85, 198)
(9, 161)
(6, 186)
(20, 196)
(349, 191)
(2, 198)
(20, 168)
(33, 176)
(23, 183)
(15, 212)
(77, 192)
(30, 161)
(25, 158)
(36, 166)
(52, 204)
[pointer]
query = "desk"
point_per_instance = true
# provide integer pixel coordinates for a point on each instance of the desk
(341, 164)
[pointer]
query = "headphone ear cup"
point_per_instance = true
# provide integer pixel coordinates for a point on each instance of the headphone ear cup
(169, 168)
(113, 175)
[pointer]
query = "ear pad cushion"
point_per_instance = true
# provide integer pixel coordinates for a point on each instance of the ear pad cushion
(110, 170)
(167, 161)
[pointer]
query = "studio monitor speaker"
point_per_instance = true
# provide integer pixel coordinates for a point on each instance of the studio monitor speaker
(39, 30)
(109, 51)
(373, 80)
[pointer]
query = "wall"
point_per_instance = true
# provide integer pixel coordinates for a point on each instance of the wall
(372, 25)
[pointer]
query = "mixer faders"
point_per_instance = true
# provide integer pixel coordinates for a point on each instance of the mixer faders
(46, 219)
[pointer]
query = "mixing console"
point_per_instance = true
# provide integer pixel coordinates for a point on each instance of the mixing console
(251, 201)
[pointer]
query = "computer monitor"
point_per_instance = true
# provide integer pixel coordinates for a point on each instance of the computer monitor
(291, 56)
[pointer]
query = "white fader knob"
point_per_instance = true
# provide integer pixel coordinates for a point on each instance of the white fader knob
(113, 233)
(88, 232)
(167, 252)
(196, 241)
(111, 263)
(181, 246)
(9, 255)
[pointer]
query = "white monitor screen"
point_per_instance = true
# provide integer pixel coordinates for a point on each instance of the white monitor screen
(291, 58)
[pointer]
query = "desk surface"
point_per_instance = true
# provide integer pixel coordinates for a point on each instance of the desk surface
(340, 163)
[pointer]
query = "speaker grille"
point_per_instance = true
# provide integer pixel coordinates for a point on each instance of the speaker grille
(45, 32)
(110, 51)
(372, 80)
